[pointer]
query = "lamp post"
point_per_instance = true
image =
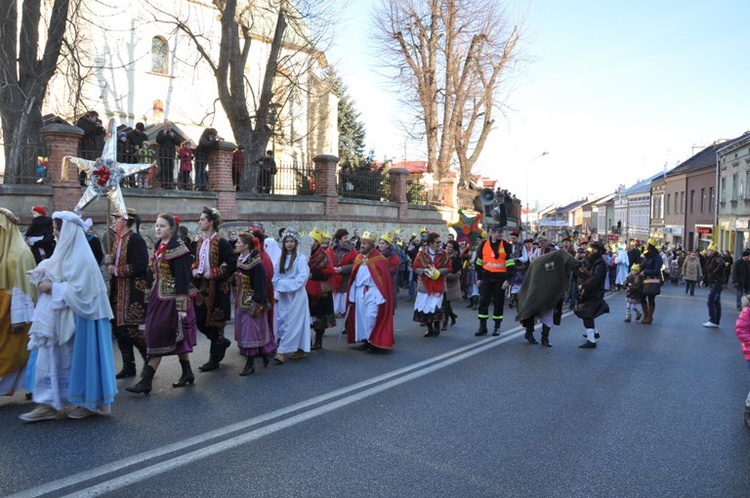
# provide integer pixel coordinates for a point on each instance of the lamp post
(528, 167)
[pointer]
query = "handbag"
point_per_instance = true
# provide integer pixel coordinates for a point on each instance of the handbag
(652, 286)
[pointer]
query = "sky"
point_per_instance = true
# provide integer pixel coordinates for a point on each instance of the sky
(614, 92)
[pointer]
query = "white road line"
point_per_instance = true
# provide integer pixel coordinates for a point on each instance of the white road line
(438, 362)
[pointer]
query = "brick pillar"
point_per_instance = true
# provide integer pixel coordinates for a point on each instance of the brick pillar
(398, 177)
(325, 178)
(449, 191)
(220, 175)
(62, 140)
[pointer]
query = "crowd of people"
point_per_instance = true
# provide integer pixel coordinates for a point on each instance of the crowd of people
(57, 323)
(169, 150)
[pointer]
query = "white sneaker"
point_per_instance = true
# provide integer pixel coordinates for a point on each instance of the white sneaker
(80, 412)
(711, 324)
(41, 412)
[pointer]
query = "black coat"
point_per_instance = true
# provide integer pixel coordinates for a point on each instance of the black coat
(741, 274)
(591, 303)
(41, 226)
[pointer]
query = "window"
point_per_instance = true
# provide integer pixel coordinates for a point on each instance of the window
(676, 202)
(703, 200)
(669, 198)
(723, 192)
(682, 201)
(711, 199)
(747, 182)
(692, 201)
(159, 55)
(734, 187)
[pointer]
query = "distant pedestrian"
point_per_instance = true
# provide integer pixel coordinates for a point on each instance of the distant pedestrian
(168, 142)
(343, 253)
(741, 276)
(713, 278)
(431, 265)
(691, 272)
(633, 293)
(651, 266)
(208, 141)
(185, 154)
(318, 288)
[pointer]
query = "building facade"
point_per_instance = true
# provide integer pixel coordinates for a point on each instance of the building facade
(733, 162)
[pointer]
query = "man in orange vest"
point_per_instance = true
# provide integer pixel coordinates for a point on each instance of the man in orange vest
(494, 265)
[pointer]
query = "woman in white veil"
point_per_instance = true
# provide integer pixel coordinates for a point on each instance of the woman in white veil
(71, 329)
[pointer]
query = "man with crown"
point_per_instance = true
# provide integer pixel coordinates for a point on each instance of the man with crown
(371, 299)
(318, 289)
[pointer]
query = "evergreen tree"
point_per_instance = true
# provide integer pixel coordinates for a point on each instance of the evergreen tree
(351, 129)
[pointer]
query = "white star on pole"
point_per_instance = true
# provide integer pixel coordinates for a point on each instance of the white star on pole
(106, 164)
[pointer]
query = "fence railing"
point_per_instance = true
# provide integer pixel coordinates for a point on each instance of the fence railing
(33, 163)
(363, 184)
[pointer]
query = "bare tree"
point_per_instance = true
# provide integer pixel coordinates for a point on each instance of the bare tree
(449, 56)
(252, 111)
(25, 71)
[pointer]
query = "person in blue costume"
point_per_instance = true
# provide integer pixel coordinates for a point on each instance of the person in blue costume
(71, 329)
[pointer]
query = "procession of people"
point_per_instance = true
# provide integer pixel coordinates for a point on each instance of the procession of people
(57, 324)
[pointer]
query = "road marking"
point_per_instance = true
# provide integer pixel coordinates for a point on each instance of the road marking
(382, 382)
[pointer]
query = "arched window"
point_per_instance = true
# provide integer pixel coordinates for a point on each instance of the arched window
(159, 55)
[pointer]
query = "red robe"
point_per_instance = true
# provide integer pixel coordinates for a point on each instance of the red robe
(382, 333)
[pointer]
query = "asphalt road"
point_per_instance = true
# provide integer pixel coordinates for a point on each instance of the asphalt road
(655, 411)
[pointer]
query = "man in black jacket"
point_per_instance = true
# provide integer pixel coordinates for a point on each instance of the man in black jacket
(713, 278)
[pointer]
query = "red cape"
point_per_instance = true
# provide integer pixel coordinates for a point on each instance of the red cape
(382, 334)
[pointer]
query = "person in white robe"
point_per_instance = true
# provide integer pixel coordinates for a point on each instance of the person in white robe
(291, 312)
(365, 295)
(623, 263)
(71, 329)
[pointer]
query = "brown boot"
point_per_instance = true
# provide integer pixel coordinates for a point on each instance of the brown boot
(647, 310)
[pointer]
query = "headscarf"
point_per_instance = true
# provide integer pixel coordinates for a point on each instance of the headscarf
(74, 268)
(15, 256)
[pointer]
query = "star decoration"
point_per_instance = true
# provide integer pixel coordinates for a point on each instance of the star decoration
(105, 174)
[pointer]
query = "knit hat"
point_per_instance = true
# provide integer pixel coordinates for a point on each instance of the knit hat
(39, 210)
(636, 267)
(746, 252)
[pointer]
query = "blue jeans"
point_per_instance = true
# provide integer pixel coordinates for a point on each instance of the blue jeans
(200, 174)
(714, 302)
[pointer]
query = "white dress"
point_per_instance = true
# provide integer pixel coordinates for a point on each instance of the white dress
(366, 297)
(292, 313)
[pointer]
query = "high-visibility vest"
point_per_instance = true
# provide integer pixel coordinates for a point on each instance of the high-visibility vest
(494, 264)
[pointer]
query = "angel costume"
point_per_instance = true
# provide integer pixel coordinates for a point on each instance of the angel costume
(292, 314)
(71, 328)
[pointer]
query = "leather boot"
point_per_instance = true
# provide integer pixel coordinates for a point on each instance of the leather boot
(430, 332)
(496, 330)
(436, 329)
(545, 336)
(453, 319)
(318, 343)
(638, 315)
(628, 318)
(529, 336)
(216, 354)
(143, 385)
(187, 375)
(482, 327)
(646, 315)
(249, 366)
(128, 359)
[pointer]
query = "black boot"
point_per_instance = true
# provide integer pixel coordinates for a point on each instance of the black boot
(216, 354)
(529, 336)
(187, 374)
(453, 319)
(482, 327)
(266, 361)
(545, 336)
(430, 332)
(496, 330)
(318, 344)
(474, 302)
(128, 359)
(249, 366)
(445, 325)
(143, 385)
(436, 329)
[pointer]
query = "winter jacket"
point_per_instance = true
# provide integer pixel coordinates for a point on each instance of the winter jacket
(715, 270)
(741, 274)
(742, 329)
(691, 269)
(634, 286)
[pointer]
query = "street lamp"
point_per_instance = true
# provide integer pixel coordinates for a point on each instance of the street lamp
(528, 167)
